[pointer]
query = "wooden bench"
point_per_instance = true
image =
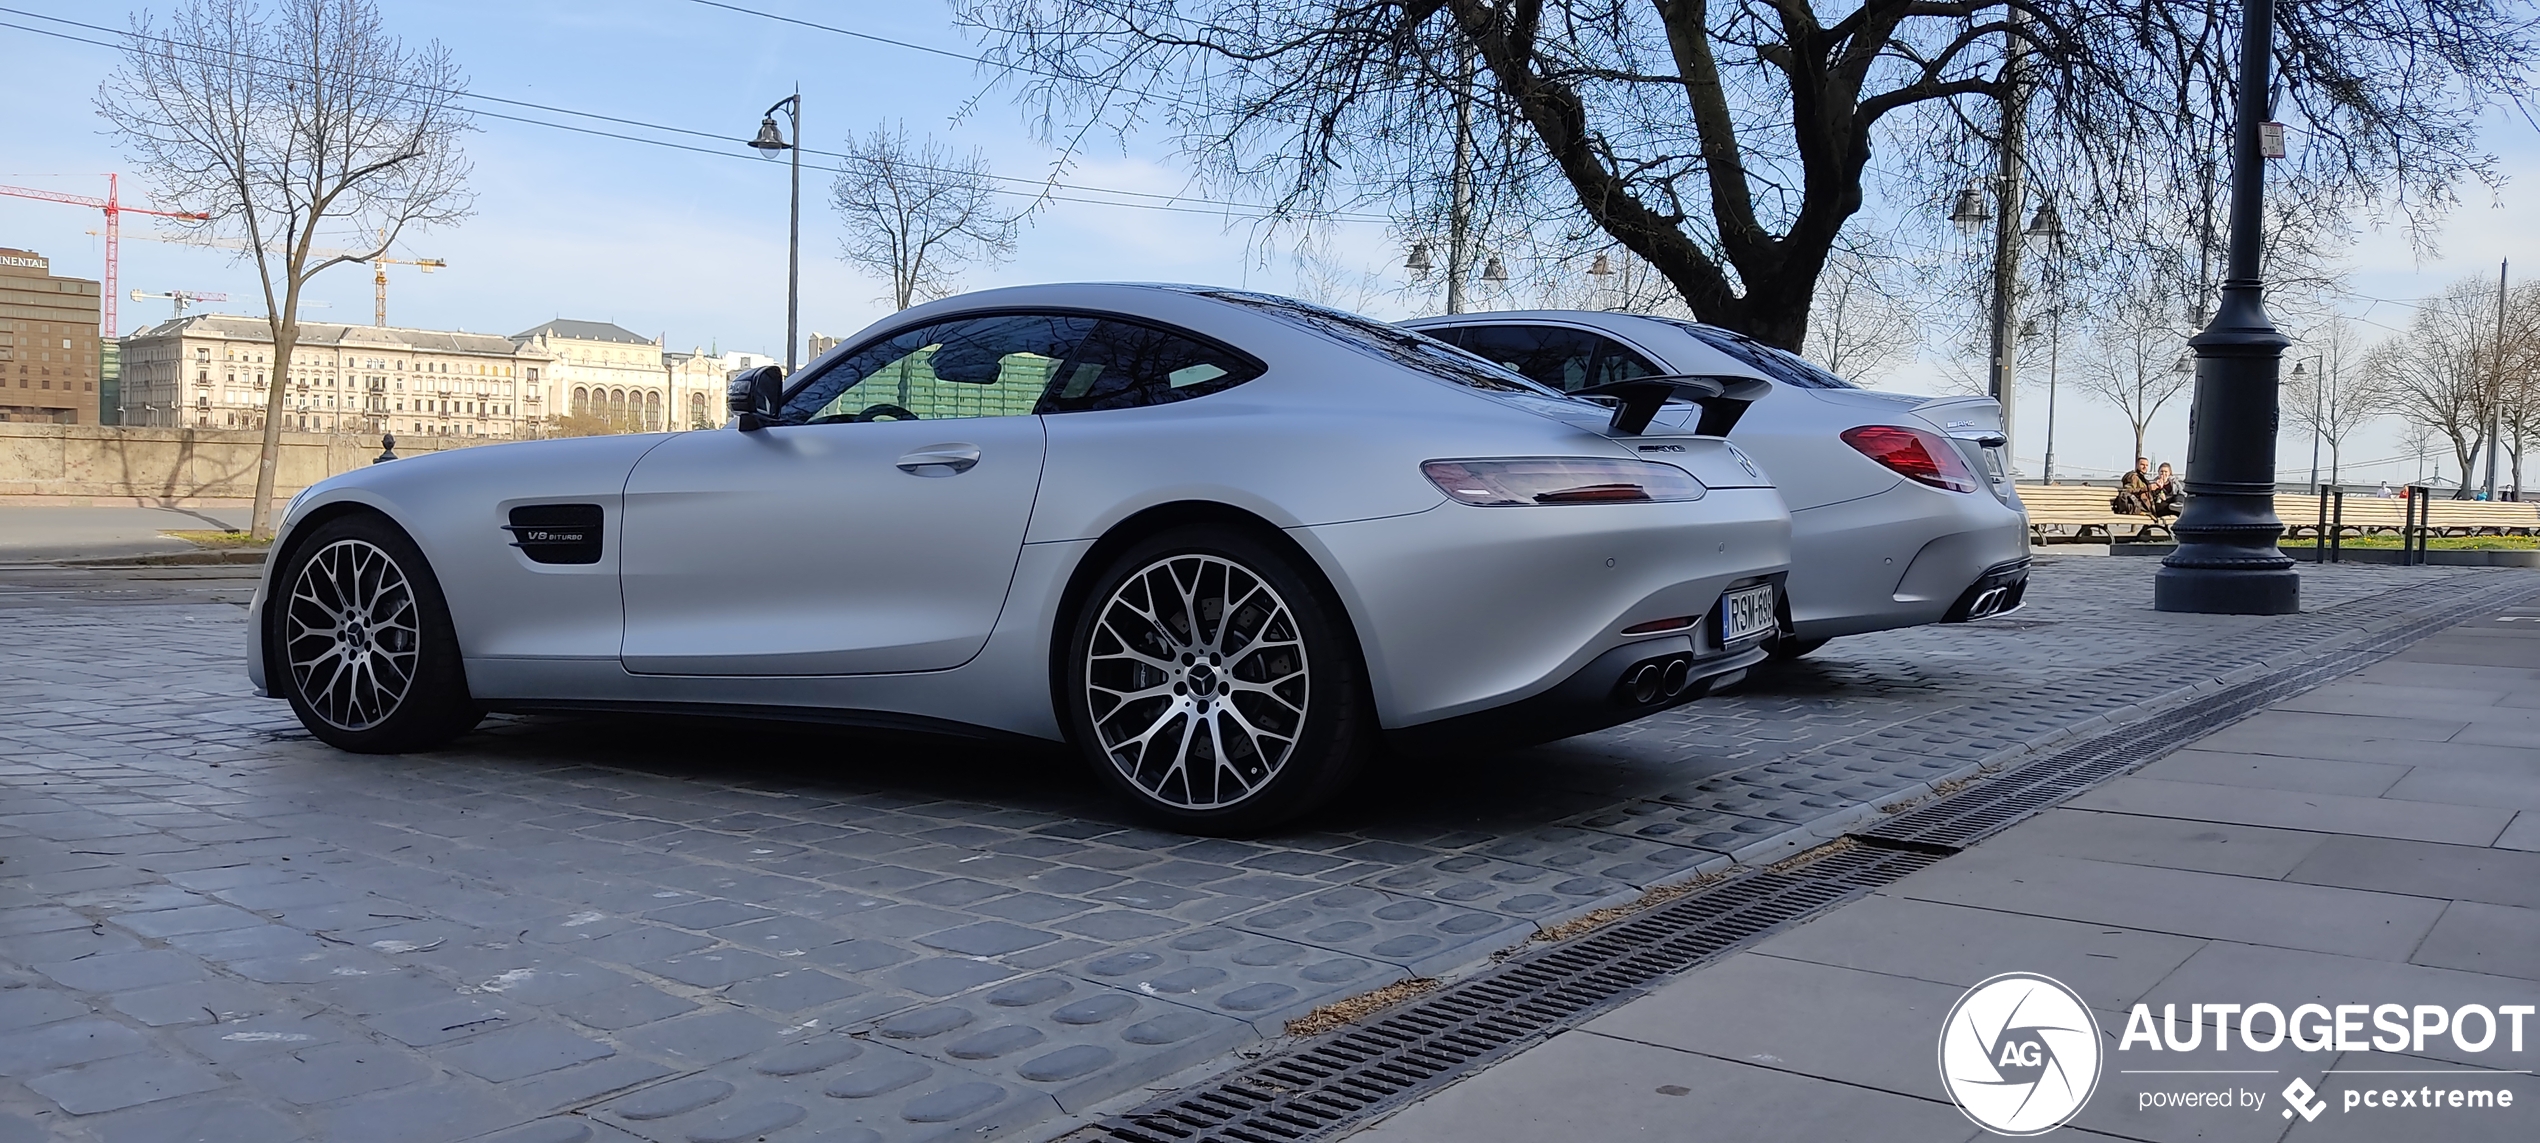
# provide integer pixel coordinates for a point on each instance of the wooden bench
(2080, 511)
(2362, 514)
(2076, 511)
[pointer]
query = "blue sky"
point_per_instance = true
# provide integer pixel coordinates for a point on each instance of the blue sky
(692, 246)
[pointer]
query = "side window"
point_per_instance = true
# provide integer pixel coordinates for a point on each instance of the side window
(990, 366)
(1780, 365)
(1617, 362)
(1565, 359)
(1124, 365)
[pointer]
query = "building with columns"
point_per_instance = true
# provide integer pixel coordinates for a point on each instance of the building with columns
(602, 370)
(215, 371)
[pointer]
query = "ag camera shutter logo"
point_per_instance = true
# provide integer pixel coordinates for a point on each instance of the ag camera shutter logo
(2020, 1054)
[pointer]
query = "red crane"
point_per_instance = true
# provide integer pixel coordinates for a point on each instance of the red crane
(114, 208)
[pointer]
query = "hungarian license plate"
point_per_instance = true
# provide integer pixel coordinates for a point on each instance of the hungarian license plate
(1746, 612)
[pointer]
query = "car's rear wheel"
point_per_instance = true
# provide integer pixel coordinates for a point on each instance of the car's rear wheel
(363, 645)
(1216, 684)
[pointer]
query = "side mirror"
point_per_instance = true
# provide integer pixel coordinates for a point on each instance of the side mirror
(755, 394)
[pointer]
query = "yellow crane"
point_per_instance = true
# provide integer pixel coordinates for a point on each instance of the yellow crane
(379, 281)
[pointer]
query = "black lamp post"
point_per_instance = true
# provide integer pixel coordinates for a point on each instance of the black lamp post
(771, 141)
(2227, 562)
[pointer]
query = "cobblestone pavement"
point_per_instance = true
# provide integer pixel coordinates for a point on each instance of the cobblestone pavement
(213, 928)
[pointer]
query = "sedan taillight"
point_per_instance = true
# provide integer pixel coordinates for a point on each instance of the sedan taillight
(1561, 480)
(1919, 456)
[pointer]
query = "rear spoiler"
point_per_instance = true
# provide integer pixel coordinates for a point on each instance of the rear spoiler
(1723, 400)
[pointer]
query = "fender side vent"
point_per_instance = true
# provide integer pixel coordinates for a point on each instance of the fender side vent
(557, 533)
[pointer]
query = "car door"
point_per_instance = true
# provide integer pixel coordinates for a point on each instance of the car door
(875, 529)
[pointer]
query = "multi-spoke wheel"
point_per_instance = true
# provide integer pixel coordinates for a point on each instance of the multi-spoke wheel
(362, 643)
(350, 634)
(1211, 681)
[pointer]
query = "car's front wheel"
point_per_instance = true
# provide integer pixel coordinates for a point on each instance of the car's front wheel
(1216, 684)
(363, 645)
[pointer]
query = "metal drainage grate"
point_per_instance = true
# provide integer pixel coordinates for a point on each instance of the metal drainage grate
(1400, 1056)
(1323, 1087)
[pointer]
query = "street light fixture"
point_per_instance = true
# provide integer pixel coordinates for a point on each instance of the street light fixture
(770, 141)
(1494, 270)
(1971, 213)
(1419, 262)
(2319, 359)
(2226, 562)
(2047, 228)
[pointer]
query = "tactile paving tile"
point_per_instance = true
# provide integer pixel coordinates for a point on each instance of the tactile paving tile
(831, 1086)
(1244, 975)
(1538, 893)
(1077, 1041)
(1419, 935)
(1571, 849)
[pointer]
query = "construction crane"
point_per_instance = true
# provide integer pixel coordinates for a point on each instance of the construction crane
(379, 275)
(181, 298)
(112, 204)
(379, 281)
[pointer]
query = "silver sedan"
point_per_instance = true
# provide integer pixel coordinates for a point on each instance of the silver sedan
(1224, 543)
(1902, 510)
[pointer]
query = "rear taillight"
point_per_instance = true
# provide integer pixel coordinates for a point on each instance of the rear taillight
(1497, 483)
(1919, 456)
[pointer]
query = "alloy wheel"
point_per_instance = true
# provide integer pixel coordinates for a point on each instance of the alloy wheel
(351, 634)
(1197, 681)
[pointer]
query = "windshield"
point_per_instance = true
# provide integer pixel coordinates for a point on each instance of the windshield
(1779, 364)
(1393, 343)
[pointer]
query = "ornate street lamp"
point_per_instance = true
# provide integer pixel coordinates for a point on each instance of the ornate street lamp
(770, 141)
(2226, 562)
(1971, 213)
(1419, 262)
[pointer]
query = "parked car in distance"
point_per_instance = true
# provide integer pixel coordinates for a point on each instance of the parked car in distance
(1902, 508)
(1224, 543)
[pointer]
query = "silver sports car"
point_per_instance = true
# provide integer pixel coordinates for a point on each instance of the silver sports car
(1901, 508)
(1226, 544)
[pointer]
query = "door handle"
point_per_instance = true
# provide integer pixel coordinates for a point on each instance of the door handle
(943, 459)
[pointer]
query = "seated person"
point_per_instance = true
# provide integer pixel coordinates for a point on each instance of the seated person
(2134, 490)
(2165, 494)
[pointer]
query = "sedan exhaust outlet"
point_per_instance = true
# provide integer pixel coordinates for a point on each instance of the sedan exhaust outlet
(1673, 679)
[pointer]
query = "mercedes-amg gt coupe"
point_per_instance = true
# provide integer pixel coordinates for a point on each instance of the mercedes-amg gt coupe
(1226, 544)
(1902, 510)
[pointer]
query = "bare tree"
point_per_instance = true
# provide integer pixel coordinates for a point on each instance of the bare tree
(1862, 325)
(918, 215)
(2331, 390)
(1729, 143)
(2136, 358)
(285, 123)
(2441, 375)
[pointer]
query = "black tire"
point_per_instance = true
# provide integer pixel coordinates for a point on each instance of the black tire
(1276, 642)
(362, 642)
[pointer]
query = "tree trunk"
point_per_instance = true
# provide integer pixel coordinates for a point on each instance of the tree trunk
(286, 333)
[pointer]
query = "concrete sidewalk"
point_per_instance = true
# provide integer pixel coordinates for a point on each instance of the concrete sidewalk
(2374, 841)
(31, 534)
